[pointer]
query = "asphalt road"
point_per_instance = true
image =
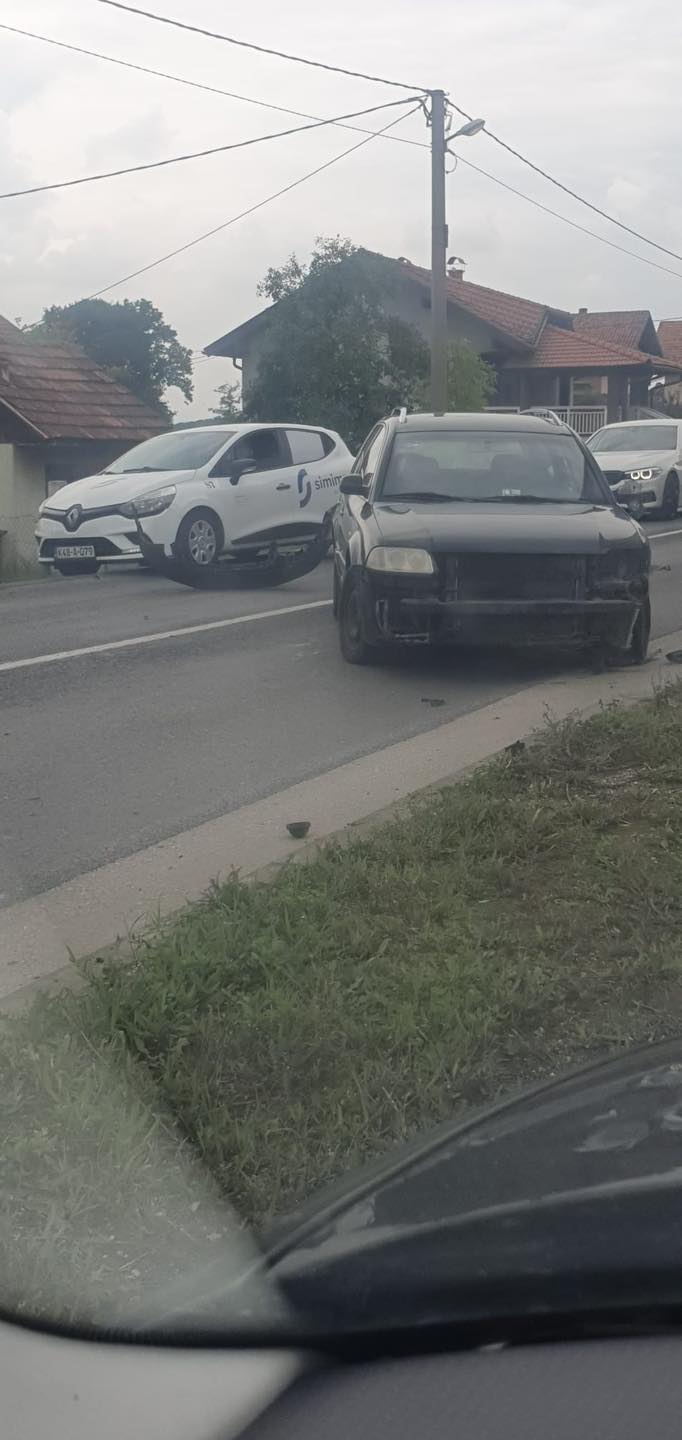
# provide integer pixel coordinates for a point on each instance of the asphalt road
(111, 749)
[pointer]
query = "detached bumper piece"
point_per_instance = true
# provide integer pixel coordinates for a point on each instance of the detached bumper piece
(524, 600)
(277, 563)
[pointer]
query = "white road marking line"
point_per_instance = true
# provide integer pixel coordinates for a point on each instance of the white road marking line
(160, 635)
(662, 534)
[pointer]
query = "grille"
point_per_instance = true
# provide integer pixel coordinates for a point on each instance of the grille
(513, 577)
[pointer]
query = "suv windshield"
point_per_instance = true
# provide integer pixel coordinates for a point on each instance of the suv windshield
(185, 451)
(489, 465)
(621, 438)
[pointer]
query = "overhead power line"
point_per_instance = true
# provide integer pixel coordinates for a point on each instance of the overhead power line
(200, 154)
(382, 80)
(200, 85)
(262, 49)
(306, 115)
(613, 245)
(373, 135)
(637, 234)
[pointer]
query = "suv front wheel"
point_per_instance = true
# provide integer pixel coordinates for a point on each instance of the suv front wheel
(355, 647)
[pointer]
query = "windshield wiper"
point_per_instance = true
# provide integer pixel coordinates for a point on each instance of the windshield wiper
(427, 496)
(538, 499)
(138, 470)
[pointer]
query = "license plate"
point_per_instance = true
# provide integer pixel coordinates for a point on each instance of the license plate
(74, 552)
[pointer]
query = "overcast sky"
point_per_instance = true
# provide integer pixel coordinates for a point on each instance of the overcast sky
(588, 89)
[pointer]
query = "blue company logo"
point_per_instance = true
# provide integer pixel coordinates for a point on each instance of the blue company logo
(305, 488)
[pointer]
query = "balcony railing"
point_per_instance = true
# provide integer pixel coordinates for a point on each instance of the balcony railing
(584, 419)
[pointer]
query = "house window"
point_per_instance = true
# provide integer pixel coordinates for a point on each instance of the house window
(588, 390)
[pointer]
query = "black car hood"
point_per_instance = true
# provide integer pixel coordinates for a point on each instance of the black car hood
(505, 527)
(574, 1186)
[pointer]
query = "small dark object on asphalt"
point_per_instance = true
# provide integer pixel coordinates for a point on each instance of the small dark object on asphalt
(675, 656)
(517, 747)
(298, 828)
(427, 701)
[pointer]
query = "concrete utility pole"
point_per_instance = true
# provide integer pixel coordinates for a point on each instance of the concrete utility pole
(439, 254)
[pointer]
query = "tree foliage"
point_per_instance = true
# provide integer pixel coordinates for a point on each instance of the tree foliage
(336, 355)
(129, 339)
(228, 405)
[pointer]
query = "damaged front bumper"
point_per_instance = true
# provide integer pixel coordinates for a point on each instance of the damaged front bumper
(418, 615)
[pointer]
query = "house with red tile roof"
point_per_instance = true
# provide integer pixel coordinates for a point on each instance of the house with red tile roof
(61, 417)
(591, 367)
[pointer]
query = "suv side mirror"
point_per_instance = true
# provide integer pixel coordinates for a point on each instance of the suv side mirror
(353, 485)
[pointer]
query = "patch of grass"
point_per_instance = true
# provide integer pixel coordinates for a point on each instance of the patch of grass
(508, 927)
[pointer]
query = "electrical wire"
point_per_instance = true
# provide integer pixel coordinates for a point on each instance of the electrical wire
(547, 210)
(306, 115)
(637, 234)
(283, 55)
(373, 135)
(262, 49)
(382, 80)
(199, 154)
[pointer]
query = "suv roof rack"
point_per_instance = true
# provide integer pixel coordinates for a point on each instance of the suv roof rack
(400, 413)
(543, 412)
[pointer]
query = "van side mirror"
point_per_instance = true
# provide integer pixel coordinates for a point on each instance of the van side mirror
(353, 485)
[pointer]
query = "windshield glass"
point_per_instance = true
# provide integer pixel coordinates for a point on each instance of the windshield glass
(489, 465)
(621, 438)
(184, 450)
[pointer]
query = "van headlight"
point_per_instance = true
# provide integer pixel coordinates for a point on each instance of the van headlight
(153, 503)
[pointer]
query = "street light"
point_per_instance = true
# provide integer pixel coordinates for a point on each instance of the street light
(472, 127)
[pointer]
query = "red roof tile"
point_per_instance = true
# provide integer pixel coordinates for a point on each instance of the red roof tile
(62, 395)
(616, 327)
(670, 338)
(557, 349)
(519, 319)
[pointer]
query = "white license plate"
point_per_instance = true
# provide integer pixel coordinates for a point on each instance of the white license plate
(74, 552)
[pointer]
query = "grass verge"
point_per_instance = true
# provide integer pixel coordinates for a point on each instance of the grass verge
(275, 1035)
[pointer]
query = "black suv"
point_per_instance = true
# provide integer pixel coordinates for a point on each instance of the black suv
(483, 528)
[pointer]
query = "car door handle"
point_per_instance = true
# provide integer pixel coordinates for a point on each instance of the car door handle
(282, 486)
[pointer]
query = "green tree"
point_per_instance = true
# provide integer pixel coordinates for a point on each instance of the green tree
(229, 403)
(471, 381)
(130, 339)
(334, 355)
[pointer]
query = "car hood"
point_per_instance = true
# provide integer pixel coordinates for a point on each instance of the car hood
(635, 459)
(578, 1179)
(505, 528)
(95, 490)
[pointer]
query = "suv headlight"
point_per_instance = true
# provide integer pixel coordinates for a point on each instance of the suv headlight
(150, 504)
(400, 560)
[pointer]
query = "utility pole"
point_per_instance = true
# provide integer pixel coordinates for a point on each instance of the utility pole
(439, 254)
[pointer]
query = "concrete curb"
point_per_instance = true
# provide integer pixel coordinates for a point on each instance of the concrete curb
(100, 912)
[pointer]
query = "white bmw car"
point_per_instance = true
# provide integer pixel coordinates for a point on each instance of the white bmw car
(642, 461)
(199, 494)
